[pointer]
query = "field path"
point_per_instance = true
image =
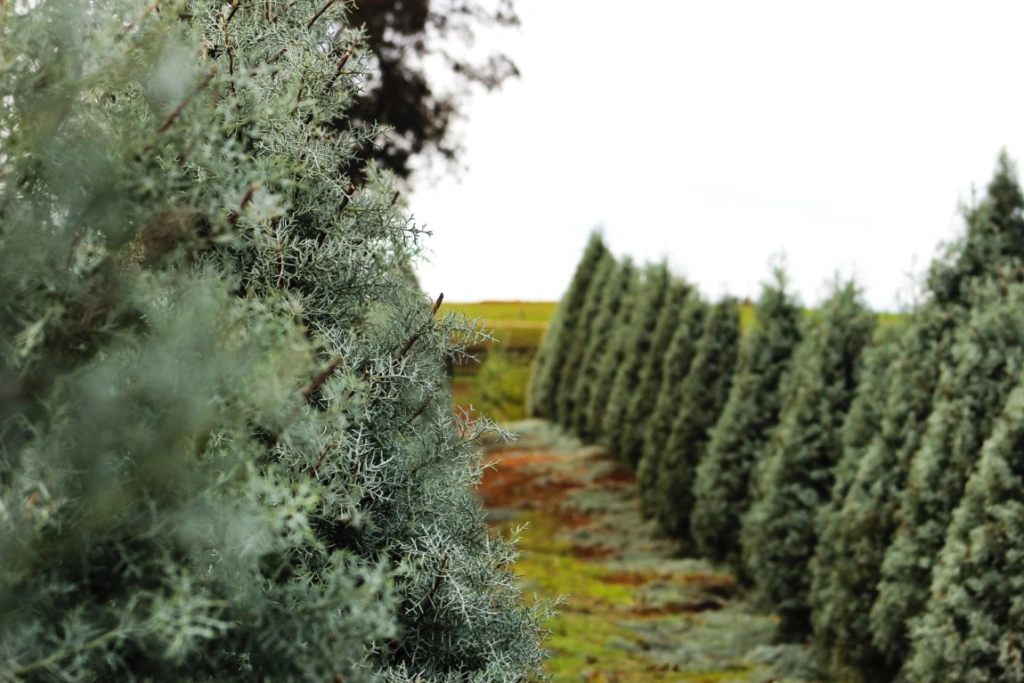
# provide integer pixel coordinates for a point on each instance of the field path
(636, 611)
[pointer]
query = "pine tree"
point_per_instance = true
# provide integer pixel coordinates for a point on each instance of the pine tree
(740, 436)
(674, 369)
(839, 600)
(971, 628)
(226, 448)
(542, 392)
(636, 347)
(612, 311)
(987, 360)
(779, 532)
(645, 395)
(589, 314)
(610, 359)
(702, 398)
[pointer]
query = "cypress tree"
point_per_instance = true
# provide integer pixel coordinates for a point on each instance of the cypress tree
(839, 599)
(674, 369)
(645, 395)
(611, 313)
(226, 447)
(986, 362)
(702, 398)
(611, 359)
(971, 628)
(589, 314)
(779, 532)
(543, 390)
(739, 438)
(636, 347)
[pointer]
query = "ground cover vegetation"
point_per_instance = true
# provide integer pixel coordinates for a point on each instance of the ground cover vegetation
(855, 471)
(226, 443)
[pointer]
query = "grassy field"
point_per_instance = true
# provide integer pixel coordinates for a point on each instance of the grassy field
(519, 327)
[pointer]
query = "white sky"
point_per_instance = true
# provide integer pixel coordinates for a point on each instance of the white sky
(719, 133)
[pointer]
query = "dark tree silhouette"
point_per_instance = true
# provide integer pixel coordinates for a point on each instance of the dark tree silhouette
(404, 36)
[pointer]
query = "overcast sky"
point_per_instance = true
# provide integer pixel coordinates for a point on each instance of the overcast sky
(719, 133)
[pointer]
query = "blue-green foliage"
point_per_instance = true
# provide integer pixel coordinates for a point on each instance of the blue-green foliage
(226, 448)
(740, 437)
(701, 399)
(779, 531)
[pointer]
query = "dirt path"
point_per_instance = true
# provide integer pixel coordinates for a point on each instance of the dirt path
(636, 610)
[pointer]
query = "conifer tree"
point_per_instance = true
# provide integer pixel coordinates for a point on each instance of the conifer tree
(226, 447)
(839, 600)
(636, 346)
(971, 628)
(589, 314)
(987, 359)
(674, 369)
(779, 532)
(702, 398)
(740, 436)
(611, 313)
(542, 392)
(610, 359)
(645, 395)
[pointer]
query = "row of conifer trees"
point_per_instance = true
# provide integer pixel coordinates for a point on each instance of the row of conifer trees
(866, 480)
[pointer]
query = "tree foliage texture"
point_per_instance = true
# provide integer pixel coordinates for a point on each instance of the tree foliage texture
(986, 363)
(674, 368)
(565, 398)
(701, 400)
(740, 436)
(645, 395)
(637, 338)
(612, 309)
(542, 393)
(971, 627)
(779, 532)
(842, 589)
(226, 444)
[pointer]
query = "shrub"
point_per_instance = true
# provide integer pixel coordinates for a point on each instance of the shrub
(611, 312)
(970, 630)
(840, 597)
(987, 359)
(610, 359)
(542, 393)
(674, 369)
(645, 395)
(565, 403)
(636, 345)
(701, 400)
(779, 532)
(226, 445)
(740, 436)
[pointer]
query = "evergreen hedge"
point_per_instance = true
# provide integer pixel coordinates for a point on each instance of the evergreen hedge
(610, 357)
(779, 532)
(589, 317)
(645, 395)
(971, 627)
(636, 346)
(702, 397)
(740, 436)
(987, 359)
(612, 311)
(849, 540)
(563, 329)
(674, 368)
(226, 444)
